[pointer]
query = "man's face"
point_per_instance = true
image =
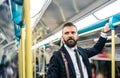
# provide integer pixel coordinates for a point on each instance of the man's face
(70, 36)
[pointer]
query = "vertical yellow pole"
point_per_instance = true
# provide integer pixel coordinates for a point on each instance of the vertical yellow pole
(28, 42)
(34, 55)
(39, 60)
(113, 54)
(44, 60)
(23, 51)
(19, 61)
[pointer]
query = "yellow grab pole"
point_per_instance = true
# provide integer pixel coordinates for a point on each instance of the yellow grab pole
(23, 51)
(34, 60)
(19, 61)
(39, 59)
(28, 40)
(113, 54)
(43, 62)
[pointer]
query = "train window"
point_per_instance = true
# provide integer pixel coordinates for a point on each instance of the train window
(106, 12)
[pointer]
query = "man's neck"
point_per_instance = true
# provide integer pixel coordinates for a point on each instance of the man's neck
(75, 47)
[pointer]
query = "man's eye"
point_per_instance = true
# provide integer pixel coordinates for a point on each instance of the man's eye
(66, 33)
(73, 32)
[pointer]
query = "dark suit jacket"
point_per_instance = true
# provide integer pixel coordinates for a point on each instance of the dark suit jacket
(56, 67)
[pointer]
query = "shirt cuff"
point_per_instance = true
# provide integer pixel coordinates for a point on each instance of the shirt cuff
(104, 35)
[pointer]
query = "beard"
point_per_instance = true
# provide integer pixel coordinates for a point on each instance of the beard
(70, 42)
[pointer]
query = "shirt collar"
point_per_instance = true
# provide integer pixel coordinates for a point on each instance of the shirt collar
(73, 48)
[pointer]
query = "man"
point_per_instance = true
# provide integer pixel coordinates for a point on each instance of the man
(58, 68)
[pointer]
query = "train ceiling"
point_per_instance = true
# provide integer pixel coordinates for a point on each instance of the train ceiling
(61, 11)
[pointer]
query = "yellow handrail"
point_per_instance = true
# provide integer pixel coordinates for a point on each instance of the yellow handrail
(34, 60)
(19, 61)
(43, 61)
(28, 40)
(23, 51)
(113, 54)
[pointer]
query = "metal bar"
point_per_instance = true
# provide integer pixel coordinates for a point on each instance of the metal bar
(115, 24)
(43, 61)
(61, 10)
(10, 43)
(39, 59)
(93, 27)
(23, 51)
(28, 40)
(91, 31)
(113, 54)
(75, 6)
(34, 60)
(19, 61)
(2, 41)
(112, 20)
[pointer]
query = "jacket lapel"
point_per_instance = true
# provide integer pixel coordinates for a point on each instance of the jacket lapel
(70, 63)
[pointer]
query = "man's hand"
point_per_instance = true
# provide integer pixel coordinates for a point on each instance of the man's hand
(106, 28)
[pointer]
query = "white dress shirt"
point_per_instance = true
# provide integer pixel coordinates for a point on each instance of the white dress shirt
(73, 58)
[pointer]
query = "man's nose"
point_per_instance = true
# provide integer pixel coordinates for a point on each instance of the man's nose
(70, 34)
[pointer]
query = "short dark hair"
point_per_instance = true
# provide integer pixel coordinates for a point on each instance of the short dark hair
(69, 24)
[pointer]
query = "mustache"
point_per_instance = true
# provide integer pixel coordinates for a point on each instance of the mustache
(70, 38)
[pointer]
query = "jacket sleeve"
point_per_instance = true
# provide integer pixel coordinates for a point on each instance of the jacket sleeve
(97, 48)
(53, 67)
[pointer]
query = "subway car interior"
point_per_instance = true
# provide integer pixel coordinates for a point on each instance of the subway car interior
(31, 30)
